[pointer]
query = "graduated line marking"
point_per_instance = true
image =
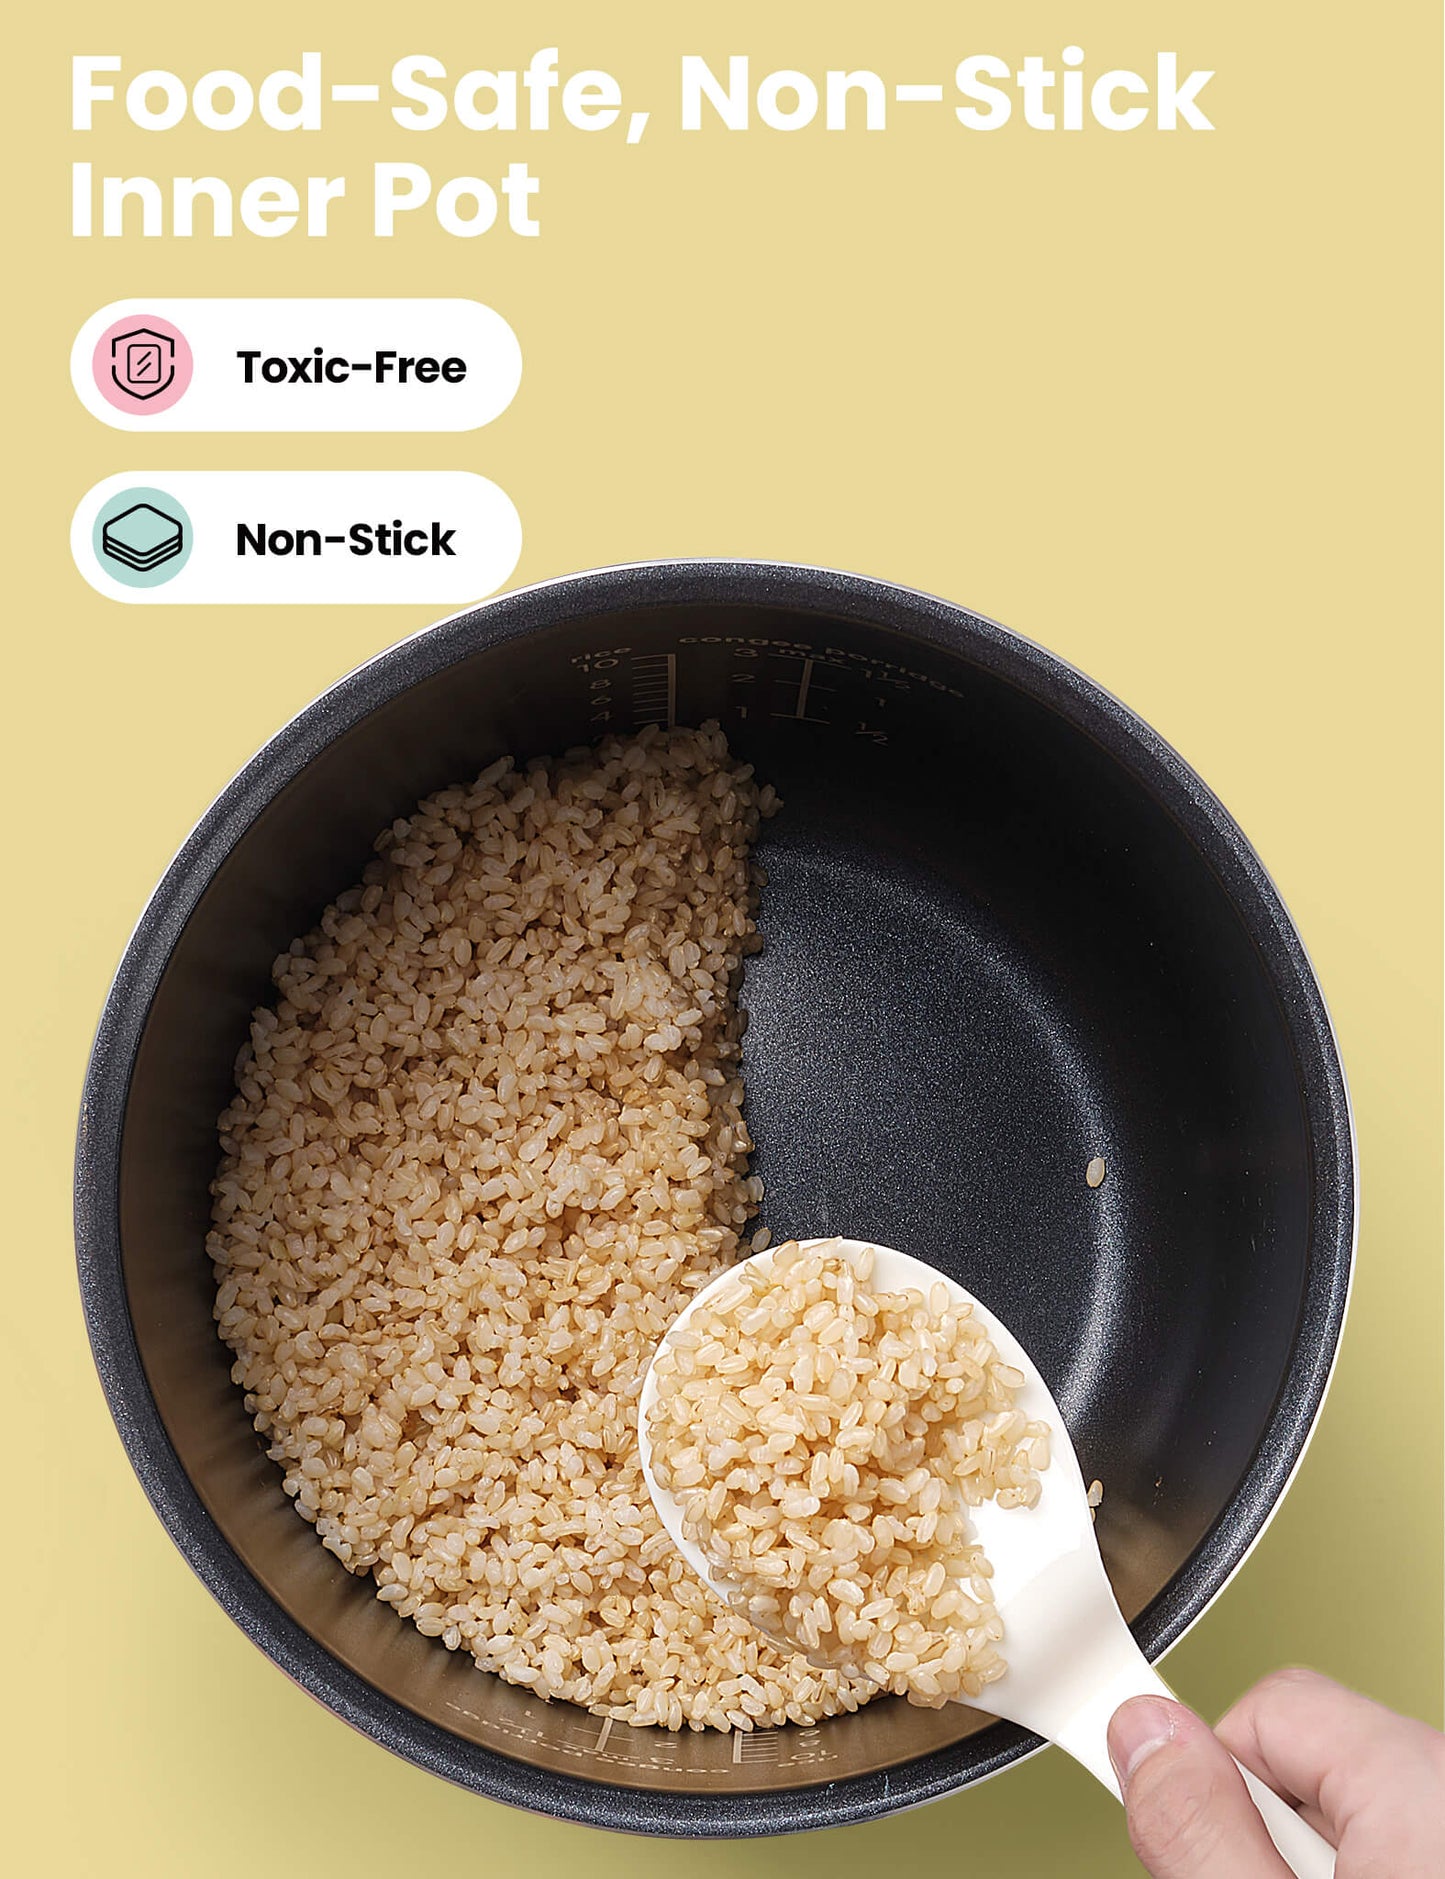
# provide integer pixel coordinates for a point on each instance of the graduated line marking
(651, 690)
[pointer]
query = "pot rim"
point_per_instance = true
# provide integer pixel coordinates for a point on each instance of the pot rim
(1155, 765)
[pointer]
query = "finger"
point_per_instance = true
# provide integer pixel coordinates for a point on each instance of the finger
(1340, 1755)
(1294, 1726)
(1190, 1815)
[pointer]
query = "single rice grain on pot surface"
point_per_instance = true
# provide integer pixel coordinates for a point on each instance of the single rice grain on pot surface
(485, 1145)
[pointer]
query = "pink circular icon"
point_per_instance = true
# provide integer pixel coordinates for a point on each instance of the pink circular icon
(142, 364)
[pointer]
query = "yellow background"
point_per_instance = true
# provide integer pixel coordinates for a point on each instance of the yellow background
(1167, 404)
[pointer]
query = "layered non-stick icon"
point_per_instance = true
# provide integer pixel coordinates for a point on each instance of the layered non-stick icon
(142, 537)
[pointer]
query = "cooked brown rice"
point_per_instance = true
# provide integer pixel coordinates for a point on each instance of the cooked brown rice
(824, 1439)
(484, 1147)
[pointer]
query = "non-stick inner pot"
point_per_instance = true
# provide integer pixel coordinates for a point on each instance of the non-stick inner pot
(1007, 932)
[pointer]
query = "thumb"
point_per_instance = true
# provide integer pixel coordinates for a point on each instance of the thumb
(1190, 1815)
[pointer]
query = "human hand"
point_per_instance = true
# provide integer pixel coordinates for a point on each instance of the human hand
(1372, 1782)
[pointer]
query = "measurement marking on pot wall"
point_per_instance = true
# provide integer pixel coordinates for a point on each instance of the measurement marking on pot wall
(654, 688)
(785, 680)
(653, 1748)
(805, 688)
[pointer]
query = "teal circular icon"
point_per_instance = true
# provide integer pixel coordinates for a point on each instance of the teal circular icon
(142, 537)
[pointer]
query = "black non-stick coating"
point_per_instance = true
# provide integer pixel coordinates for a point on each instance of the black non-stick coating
(1007, 931)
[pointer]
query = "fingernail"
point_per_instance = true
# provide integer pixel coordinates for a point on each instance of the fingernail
(1140, 1726)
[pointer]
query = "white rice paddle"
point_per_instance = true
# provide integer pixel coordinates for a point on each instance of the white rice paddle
(1072, 1659)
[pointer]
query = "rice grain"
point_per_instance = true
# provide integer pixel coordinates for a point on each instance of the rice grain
(871, 1567)
(485, 1145)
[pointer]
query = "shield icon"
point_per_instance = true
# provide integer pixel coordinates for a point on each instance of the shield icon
(142, 362)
